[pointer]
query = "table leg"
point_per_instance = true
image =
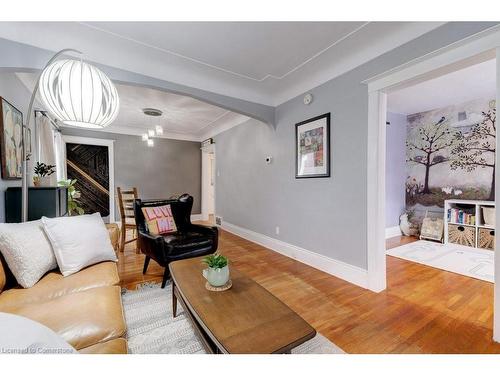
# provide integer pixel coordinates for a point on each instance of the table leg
(174, 300)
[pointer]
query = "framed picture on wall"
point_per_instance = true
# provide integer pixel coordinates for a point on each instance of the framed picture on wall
(11, 125)
(312, 138)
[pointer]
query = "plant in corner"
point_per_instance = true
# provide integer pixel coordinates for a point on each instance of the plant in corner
(217, 273)
(42, 171)
(73, 196)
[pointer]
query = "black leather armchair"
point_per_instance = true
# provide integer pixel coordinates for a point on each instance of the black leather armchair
(189, 241)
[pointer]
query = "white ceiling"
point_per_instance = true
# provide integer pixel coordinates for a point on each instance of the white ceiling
(263, 62)
(474, 82)
(183, 117)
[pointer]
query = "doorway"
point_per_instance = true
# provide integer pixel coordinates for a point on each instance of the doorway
(89, 161)
(477, 49)
(208, 183)
(440, 171)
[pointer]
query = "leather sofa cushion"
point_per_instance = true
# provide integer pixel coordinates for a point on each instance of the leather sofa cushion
(82, 319)
(3, 277)
(54, 285)
(116, 346)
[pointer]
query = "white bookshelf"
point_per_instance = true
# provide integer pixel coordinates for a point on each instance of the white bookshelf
(469, 205)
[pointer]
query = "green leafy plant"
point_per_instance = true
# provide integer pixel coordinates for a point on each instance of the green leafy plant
(73, 196)
(215, 261)
(43, 170)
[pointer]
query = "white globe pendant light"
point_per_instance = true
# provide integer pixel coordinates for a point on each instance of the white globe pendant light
(79, 94)
(75, 93)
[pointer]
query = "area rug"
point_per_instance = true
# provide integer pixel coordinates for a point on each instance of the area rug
(151, 329)
(464, 260)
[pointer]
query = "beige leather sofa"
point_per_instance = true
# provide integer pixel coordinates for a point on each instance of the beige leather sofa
(84, 308)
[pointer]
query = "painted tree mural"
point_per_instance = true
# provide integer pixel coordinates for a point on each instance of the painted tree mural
(477, 149)
(426, 147)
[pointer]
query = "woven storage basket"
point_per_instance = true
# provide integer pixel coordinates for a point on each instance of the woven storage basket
(462, 235)
(486, 238)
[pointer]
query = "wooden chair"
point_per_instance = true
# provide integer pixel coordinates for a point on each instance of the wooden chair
(126, 205)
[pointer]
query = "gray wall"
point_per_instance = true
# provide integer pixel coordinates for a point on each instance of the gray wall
(326, 215)
(12, 90)
(170, 167)
(395, 168)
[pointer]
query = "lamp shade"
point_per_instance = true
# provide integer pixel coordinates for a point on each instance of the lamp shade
(79, 94)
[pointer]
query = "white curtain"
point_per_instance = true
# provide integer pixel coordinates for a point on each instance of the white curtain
(50, 147)
(60, 148)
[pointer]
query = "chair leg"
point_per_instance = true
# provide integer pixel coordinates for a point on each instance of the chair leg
(122, 238)
(166, 276)
(146, 264)
(137, 248)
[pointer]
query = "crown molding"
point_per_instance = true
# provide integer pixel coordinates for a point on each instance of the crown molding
(230, 121)
(128, 130)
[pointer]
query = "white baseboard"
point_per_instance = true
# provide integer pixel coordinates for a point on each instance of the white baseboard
(392, 232)
(347, 272)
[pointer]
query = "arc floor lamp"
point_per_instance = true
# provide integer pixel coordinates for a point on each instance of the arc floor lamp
(76, 94)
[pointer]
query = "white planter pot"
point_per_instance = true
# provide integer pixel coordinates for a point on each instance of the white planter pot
(216, 276)
(45, 182)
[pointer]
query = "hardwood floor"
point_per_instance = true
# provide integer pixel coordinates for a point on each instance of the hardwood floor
(423, 310)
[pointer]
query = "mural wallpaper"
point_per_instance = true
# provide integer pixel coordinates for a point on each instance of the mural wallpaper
(450, 154)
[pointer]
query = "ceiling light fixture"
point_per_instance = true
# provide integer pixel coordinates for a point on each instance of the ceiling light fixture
(152, 112)
(157, 131)
(79, 94)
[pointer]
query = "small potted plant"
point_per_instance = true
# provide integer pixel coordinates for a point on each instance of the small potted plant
(42, 171)
(73, 197)
(217, 273)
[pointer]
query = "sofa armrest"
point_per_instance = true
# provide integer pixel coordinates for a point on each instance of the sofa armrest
(205, 229)
(209, 230)
(151, 245)
(114, 235)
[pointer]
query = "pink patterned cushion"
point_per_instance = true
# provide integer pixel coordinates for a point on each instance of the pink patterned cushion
(159, 219)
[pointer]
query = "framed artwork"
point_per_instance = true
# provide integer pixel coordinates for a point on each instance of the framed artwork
(312, 146)
(11, 125)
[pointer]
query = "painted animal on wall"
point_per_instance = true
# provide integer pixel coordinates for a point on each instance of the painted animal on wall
(451, 155)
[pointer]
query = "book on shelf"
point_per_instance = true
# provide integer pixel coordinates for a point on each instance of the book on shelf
(458, 216)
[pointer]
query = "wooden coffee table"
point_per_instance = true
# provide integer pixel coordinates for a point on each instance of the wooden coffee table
(244, 319)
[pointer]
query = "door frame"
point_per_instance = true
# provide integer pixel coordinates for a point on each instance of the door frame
(109, 143)
(469, 51)
(204, 192)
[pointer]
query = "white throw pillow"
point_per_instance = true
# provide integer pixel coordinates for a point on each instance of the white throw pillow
(27, 251)
(78, 241)
(20, 335)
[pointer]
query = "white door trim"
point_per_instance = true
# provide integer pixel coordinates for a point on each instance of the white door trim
(480, 47)
(204, 192)
(377, 104)
(109, 143)
(496, 294)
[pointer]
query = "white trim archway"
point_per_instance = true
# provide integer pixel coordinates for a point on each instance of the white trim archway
(477, 48)
(109, 143)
